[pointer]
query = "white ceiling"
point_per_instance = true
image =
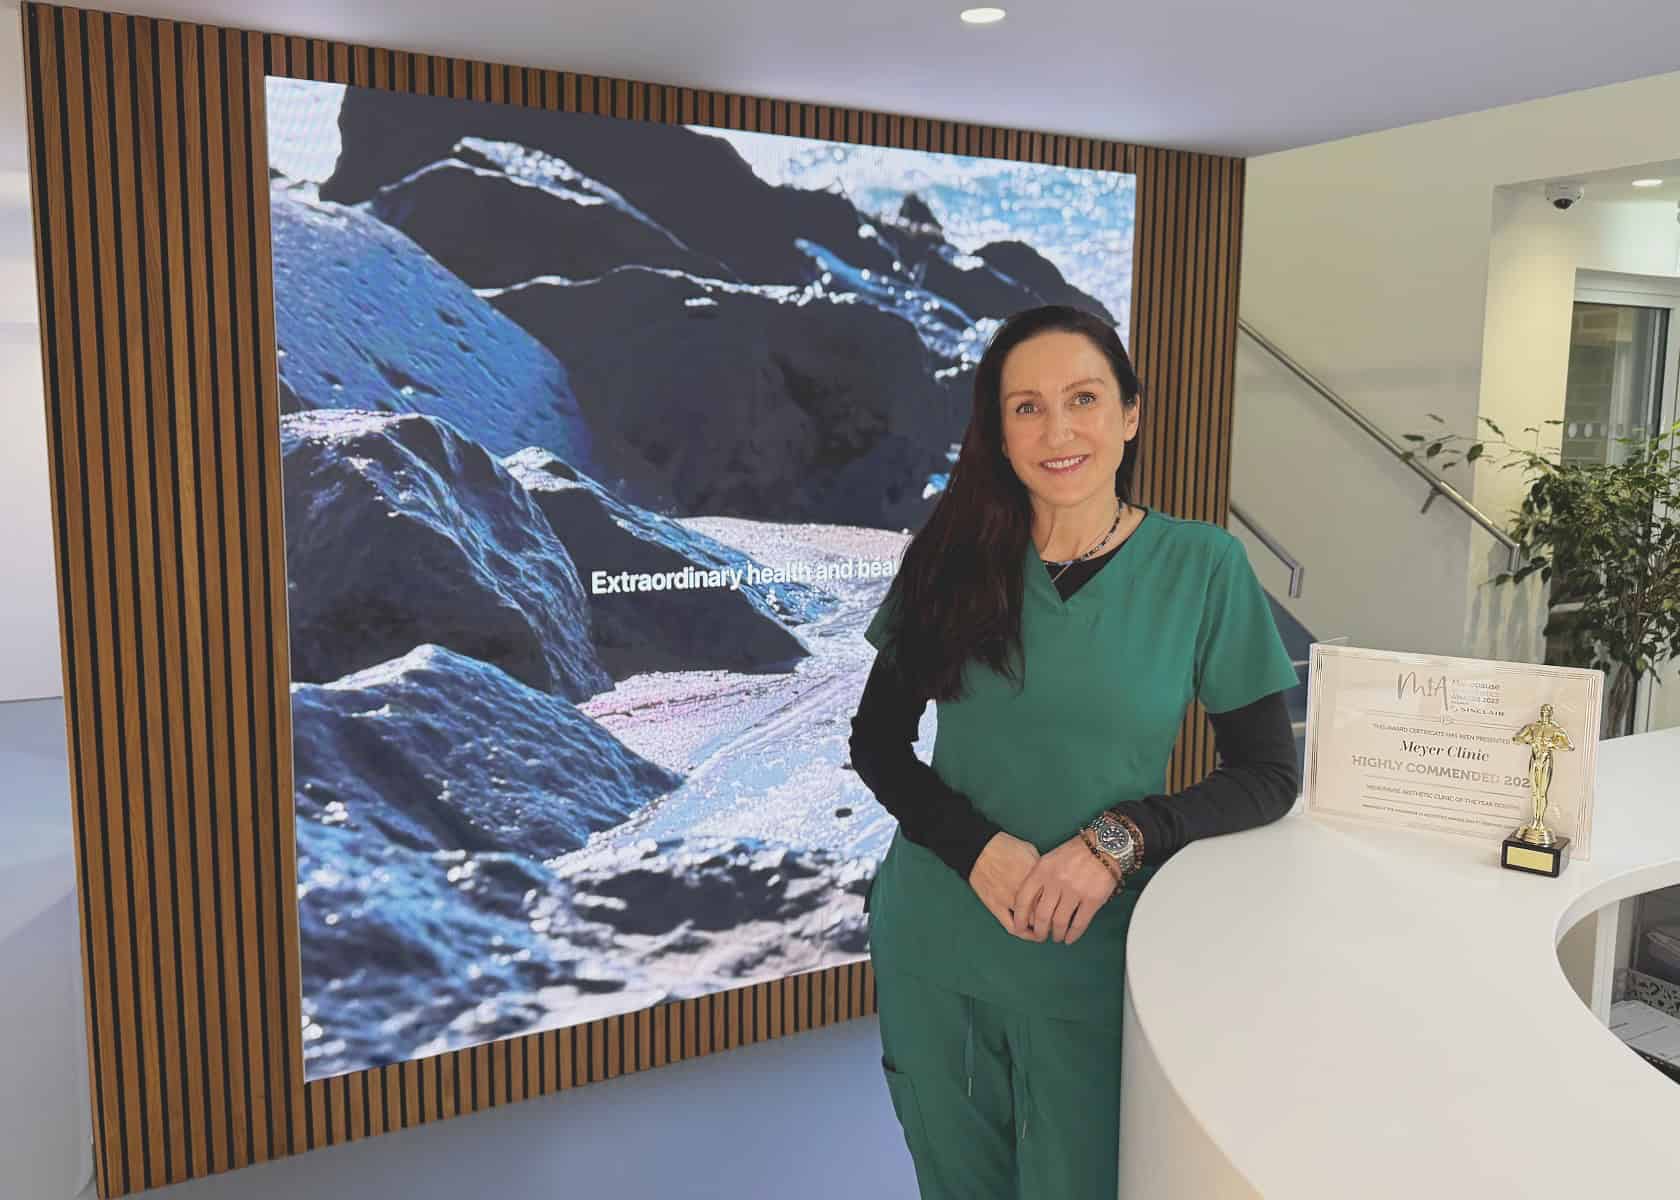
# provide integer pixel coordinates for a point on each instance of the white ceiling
(1618, 186)
(1228, 76)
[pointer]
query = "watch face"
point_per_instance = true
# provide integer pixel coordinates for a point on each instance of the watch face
(1114, 838)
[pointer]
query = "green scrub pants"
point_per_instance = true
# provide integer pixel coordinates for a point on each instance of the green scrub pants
(997, 1105)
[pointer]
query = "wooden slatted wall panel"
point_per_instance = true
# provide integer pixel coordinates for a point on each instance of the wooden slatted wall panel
(1188, 251)
(148, 170)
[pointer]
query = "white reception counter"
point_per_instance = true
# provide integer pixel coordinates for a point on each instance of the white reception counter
(1318, 1012)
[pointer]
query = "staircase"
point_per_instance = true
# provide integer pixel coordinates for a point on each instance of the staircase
(1296, 639)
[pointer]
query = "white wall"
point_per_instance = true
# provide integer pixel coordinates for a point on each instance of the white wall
(29, 662)
(1535, 258)
(1342, 506)
(1631, 236)
(1368, 260)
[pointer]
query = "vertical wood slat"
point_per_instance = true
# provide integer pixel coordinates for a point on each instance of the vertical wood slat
(149, 189)
(226, 803)
(137, 170)
(69, 194)
(178, 566)
(205, 756)
(103, 311)
(126, 428)
(44, 90)
(250, 569)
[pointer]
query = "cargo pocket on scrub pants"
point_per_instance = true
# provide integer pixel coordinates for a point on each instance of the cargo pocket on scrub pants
(909, 1111)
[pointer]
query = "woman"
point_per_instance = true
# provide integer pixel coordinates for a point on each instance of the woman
(1062, 632)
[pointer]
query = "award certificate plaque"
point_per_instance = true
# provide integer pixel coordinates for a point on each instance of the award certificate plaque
(1421, 741)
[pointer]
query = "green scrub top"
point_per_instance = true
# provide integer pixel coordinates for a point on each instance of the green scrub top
(1108, 675)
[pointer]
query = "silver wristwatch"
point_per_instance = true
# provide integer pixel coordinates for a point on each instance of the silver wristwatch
(1115, 840)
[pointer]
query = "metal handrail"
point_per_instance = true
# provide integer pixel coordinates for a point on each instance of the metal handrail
(1297, 573)
(1437, 485)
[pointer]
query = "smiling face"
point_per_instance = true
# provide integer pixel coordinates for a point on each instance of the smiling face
(1065, 422)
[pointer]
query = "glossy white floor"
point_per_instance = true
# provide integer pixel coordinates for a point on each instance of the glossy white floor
(42, 1147)
(806, 1116)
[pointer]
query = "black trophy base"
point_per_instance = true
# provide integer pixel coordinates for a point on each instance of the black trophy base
(1519, 855)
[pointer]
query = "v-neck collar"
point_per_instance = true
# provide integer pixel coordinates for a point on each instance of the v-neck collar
(1038, 575)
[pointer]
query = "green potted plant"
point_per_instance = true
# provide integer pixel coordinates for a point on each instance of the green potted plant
(1607, 541)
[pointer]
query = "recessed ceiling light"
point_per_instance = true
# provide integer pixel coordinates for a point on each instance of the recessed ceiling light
(983, 16)
(1647, 183)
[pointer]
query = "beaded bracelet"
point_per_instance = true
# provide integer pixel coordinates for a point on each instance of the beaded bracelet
(1113, 867)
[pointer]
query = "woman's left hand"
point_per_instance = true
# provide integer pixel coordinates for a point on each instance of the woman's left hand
(1062, 894)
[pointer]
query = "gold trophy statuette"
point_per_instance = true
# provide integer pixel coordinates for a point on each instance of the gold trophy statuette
(1535, 848)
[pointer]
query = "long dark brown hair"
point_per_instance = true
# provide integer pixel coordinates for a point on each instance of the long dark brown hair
(960, 582)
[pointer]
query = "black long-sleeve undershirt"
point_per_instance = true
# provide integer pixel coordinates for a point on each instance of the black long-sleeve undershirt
(1255, 782)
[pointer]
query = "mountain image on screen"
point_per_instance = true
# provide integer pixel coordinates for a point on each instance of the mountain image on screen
(601, 440)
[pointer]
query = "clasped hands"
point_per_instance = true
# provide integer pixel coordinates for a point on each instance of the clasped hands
(1034, 896)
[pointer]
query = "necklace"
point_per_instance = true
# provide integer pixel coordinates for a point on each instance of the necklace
(1094, 549)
